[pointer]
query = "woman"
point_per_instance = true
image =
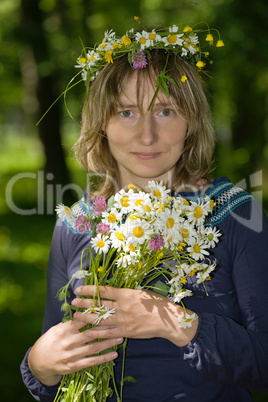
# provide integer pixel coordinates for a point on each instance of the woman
(151, 121)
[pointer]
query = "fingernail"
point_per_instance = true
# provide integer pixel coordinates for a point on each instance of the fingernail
(78, 290)
(120, 340)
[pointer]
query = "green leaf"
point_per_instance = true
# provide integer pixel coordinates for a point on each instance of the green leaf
(160, 288)
(129, 379)
(111, 202)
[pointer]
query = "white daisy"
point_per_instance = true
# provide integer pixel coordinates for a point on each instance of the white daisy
(197, 248)
(174, 38)
(122, 201)
(102, 312)
(187, 231)
(177, 297)
(92, 58)
(81, 274)
(205, 272)
(169, 221)
(154, 37)
(124, 260)
(186, 322)
(143, 39)
(112, 218)
(212, 236)
(158, 191)
(138, 200)
(101, 243)
(138, 231)
(65, 213)
(117, 238)
(199, 210)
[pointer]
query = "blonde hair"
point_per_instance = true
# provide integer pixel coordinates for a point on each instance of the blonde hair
(189, 100)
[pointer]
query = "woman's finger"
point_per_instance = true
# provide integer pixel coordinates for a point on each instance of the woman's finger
(91, 304)
(105, 292)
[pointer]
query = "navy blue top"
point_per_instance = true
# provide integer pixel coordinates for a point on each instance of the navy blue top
(229, 353)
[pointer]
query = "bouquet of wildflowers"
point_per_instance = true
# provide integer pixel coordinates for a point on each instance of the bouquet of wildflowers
(136, 238)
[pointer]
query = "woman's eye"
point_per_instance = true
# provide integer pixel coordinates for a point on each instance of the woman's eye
(126, 113)
(166, 112)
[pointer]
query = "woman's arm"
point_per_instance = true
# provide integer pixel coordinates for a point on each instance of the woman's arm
(62, 348)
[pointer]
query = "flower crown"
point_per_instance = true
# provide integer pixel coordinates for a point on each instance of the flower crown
(138, 45)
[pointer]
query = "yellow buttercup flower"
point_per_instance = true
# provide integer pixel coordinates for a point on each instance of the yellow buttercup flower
(126, 41)
(210, 39)
(108, 56)
(116, 45)
(220, 43)
(184, 78)
(187, 29)
(200, 64)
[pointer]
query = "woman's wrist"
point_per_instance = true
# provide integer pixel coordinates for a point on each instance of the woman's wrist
(48, 380)
(171, 329)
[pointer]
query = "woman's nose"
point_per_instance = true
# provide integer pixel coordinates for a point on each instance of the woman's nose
(147, 131)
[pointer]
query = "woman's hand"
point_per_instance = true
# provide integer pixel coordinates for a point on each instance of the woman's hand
(63, 349)
(138, 314)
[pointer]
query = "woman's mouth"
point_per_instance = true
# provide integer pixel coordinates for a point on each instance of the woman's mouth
(146, 155)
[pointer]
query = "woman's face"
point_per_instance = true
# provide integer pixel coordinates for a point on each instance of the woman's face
(146, 145)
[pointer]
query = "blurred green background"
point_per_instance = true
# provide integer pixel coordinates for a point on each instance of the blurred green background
(39, 43)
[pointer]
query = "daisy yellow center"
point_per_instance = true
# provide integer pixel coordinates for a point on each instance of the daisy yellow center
(111, 218)
(210, 237)
(139, 202)
(67, 211)
(100, 243)
(131, 248)
(211, 204)
(152, 36)
(157, 193)
(134, 217)
(140, 264)
(138, 231)
(172, 38)
(82, 60)
(197, 248)
(186, 202)
(100, 269)
(198, 212)
(120, 236)
(170, 223)
(185, 233)
(142, 41)
(147, 208)
(124, 201)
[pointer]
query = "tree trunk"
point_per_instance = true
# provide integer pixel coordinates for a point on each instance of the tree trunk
(46, 92)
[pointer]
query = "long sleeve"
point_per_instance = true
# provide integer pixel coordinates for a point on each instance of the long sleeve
(231, 345)
(64, 260)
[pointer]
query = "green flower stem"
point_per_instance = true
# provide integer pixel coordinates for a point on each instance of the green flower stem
(123, 367)
(115, 387)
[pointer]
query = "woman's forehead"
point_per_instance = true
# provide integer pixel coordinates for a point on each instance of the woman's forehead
(141, 89)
